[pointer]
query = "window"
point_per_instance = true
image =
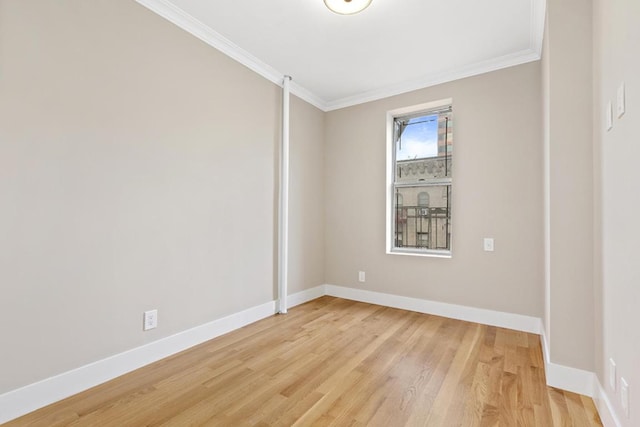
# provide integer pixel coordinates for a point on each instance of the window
(423, 199)
(419, 171)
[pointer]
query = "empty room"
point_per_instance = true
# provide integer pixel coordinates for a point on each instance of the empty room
(319, 212)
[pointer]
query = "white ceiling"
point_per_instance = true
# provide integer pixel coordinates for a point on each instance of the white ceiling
(392, 47)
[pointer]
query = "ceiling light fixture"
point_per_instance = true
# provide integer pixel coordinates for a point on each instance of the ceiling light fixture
(347, 7)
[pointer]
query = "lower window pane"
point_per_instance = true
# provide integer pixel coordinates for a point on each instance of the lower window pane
(422, 217)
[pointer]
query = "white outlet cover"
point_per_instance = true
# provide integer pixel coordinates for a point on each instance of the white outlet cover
(488, 244)
(150, 320)
(361, 276)
(624, 396)
(609, 115)
(620, 105)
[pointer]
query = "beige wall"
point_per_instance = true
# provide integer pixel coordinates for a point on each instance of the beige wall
(497, 192)
(568, 64)
(137, 171)
(617, 59)
(306, 193)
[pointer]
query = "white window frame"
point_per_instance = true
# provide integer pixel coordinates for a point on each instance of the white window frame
(391, 116)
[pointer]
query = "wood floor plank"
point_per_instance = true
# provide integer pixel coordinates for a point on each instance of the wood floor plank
(335, 362)
(559, 411)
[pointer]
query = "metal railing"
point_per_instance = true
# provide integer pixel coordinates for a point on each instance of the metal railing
(422, 227)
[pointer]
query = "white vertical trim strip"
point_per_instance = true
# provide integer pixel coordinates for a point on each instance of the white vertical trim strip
(283, 217)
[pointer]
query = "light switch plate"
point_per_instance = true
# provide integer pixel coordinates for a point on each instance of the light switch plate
(488, 244)
(620, 104)
(609, 115)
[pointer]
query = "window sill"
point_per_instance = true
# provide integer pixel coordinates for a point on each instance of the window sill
(425, 253)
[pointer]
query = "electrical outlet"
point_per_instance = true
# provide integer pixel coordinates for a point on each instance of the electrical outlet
(612, 374)
(624, 396)
(361, 276)
(150, 320)
(488, 244)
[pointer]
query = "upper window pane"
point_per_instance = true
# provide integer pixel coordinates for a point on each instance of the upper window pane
(417, 138)
(423, 147)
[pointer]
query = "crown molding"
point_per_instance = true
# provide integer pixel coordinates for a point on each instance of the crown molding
(308, 96)
(482, 67)
(185, 21)
(182, 19)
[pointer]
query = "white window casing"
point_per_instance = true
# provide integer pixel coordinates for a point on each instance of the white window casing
(418, 189)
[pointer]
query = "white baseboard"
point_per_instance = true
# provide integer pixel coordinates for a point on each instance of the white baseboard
(305, 296)
(34, 396)
(565, 377)
(460, 312)
(570, 379)
(559, 376)
(605, 408)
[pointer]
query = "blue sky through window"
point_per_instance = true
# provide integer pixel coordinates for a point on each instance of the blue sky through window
(419, 139)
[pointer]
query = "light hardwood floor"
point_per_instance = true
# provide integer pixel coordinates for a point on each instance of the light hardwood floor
(342, 363)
